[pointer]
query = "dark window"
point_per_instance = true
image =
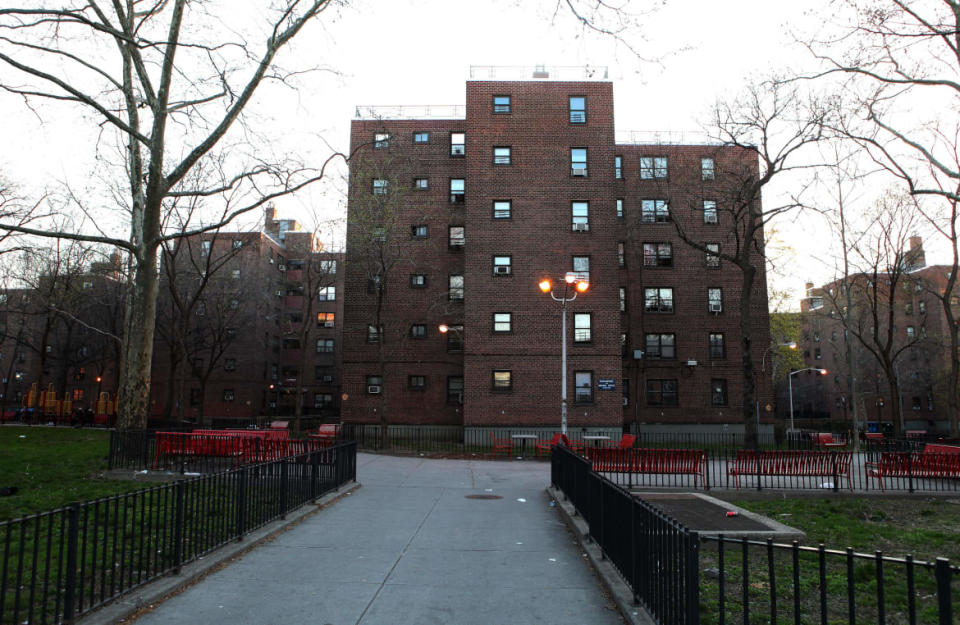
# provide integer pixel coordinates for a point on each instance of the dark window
(653, 167)
(502, 209)
(322, 400)
(502, 380)
(421, 137)
(623, 299)
(658, 255)
(374, 333)
(457, 191)
(621, 256)
(417, 382)
(618, 167)
(662, 393)
(501, 104)
(718, 347)
(230, 364)
(578, 109)
(662, 346)
(194, 397)
(418, 331)
(228, 394)
(374, 384)
(455, 338)
(581, 327)
(654, 211)
(718, 392)
(502, 322)
(501, 155)
(455, 390)
(583, 387)
(458, 142)
(578, 161)
(324, 346)
(658, 300)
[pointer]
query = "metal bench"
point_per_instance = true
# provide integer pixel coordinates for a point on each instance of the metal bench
(778, 463)
(935, 461)
(664, 461)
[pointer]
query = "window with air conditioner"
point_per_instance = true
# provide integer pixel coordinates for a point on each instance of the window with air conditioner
(580, 212)
(458, 144)
(714, 300)
(502, 322)
(502, 209)
(457, 191)
(709, 211)
(501, 155)
(501, 265)
(578, 162)
(457, 237)
(581, 267)
(455, 287)
(374, 384)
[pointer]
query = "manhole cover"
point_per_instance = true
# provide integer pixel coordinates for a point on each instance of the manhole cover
(483, 496)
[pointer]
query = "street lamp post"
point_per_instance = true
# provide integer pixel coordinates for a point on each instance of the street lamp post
(790, 381)
(763, 371)
(572, 284)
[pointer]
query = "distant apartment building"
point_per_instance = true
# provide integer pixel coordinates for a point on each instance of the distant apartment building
(453, 221)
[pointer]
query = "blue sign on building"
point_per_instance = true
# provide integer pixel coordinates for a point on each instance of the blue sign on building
(606, 384)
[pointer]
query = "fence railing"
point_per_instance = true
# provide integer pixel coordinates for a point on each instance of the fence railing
(60, 564)
(682, 577)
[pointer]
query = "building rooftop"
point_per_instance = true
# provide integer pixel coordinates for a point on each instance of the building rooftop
(571, 73)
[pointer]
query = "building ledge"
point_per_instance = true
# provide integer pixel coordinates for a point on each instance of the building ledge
(411, 111)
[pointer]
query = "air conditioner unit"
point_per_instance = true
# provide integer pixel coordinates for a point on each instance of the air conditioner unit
(501, 270)
(282, 267)
(716, 308)
(328, 324)
(373, 389)
(579, 172)
(691, 363)
(710, 219)
(581, 227)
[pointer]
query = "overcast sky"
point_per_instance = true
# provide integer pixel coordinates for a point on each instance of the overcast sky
(419, 52)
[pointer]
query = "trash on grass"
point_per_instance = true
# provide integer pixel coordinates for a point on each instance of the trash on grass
(521, 500)
(827, 485)
(731, 513)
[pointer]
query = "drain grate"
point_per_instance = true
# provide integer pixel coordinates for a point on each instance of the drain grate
(482, 496)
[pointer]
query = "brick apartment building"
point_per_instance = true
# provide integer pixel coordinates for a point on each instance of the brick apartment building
(919, 333)
(454, 221)
(242, 317)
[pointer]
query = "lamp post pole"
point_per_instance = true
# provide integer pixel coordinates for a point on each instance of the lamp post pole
(790, 385)
(763, 372)
(578, 285)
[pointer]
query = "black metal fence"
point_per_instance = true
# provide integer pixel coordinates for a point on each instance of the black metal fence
(682, 577)
(58, 565)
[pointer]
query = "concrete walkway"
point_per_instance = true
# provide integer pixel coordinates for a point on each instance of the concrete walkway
(410, 548)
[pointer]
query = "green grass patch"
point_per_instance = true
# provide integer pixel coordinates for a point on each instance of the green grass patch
(52, 467)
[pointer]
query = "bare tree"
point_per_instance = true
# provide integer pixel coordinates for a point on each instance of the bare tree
(166, 84)
(899, 63)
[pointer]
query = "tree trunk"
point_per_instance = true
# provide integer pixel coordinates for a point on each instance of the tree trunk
(139, 324)
(750, 407)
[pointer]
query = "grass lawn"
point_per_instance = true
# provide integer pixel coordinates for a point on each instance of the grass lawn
(53, 467)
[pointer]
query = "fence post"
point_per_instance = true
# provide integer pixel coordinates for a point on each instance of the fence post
(283, 488)
(70, 582)
(944, 598)
(601, 543)
(314, 475)
(692, 594)
(910, 469)
(178, 527)
(241, 503)
(836, 478)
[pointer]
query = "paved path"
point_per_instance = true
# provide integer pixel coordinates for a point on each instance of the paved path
(410, 548)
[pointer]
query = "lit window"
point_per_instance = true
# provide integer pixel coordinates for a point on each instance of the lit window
(418, 280)
(713, 255)
(501, 155)
(911, 333)
(235, 274)
(658, 255)
(327, 294)
(662, 346)
(502, 380)
(718, 392)
(458, 142)
(658, 300)
(381, 140)
(618, 167)
(457, 237)
(662, 393)
(419, 231)
(455, 338)
(581, 216)
(380, 186)
(715, 300)
(326, 320)
(455, 282)
(583, 387)
(654, 211)
(717, 346)
(457, 189)
(578, 109)
(418, 331)
(374, 384)
(581, 327)
(502, 209)
(501, 104)
(653, 167)
(619, 209)
(707, 169)
(374, 333)
(421, 137)
(502, 322)
(501, 265)
(228, 394)
(421, 184)
(922, 307)
(709, 211)
(324, 346)
(581, 267)
(417, 382)
(623, 299)
(578, 161)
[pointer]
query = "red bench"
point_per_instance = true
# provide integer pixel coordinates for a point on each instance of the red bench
(790, 464)
(874, 436)
(327, 430)
(935, 461)
(667, 461)
(826, 440)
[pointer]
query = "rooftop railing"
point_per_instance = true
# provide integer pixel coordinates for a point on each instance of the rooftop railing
(664, 137)
(412, 111)
(539, 72)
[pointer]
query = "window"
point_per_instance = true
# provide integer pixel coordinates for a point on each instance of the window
(234, 304)
(714, 300)
(654, 211)
(228, 394)
(324, 346)
(619, 209)
(709, 211)
(421, 137)
(581, 216)
(230, 364)
(583, 387)
(455, 283)
(662, 393)
(501, 104)
(718, 348)
(502, 322)
(623, 299)
(661, 346)
(502, 209)
(419, 231)
(621, 255)
(458, 142)
(327, 293)
(501, 155)
(581, 267)
(817, 354)
(502, 380)
(417, 382)
(421, 184)
(418, 331)
(501, 265)
(707, 169)
(658, 300)
(581, 327)
(380, 186)
(374, 333)
(201, 309)
(578, 161)
(457, 237)
(455, 390)
(457, 191)
(418, 280)
(922, 307)
(374, 384)
(658, 255)
(381, 140)
(713, 258)
(328, 267)
(205, 248)
(326, 320)
(908, 308)
(455, 338)
(618, 167)
(322, 400)
(718, 392)
(235, 274)
(78, 394)
(653, 167)
(911, 333)
(578, 109)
